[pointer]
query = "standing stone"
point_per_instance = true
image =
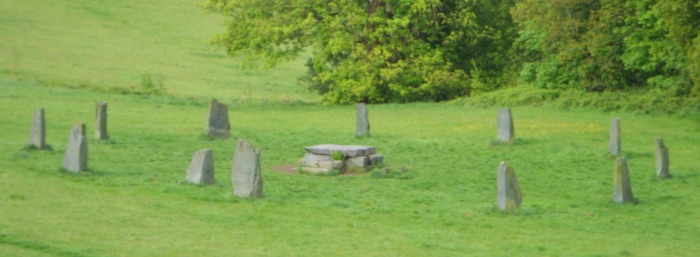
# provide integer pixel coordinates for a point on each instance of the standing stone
(362, 125)
(217, 120)
(509, 196)
(76, 156)
(661, 159)
(623, 188)
(201, 170)
(101, 121)
(245, 176)
(506, 131)
(615, 146)
(37, 131)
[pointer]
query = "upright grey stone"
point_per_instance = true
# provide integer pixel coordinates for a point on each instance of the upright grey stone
(76, 155)
(509, 196)
(506, 131)
(37, 131)
(362, 125)
(623, 188)
(201, 170)
(217, 120)
(661, 159)
(101, 121)
(615, 146)
(246, 176)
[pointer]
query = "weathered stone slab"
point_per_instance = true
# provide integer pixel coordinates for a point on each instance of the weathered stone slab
(362, 124)
(346, 150)
(509, 196)
(101, 121)
(246, 176)
(311, 158)
(376, 159)
(217, 120)
(314, 170)
(37, 131)
(201, 169)
(623, 188)
(75, 158)
(357, 161)
(662, 161)
(506, 131)
(615, 145)
(331, 164)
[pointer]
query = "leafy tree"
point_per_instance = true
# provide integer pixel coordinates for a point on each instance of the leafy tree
(598, 45)
(375, 50)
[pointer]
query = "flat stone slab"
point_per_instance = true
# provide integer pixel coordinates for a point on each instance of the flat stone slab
(347, 150)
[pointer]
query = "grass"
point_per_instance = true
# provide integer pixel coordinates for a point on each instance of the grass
(66, 56)
(110, 45)
(135, 194)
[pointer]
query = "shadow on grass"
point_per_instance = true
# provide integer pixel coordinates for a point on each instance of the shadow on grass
(524, 211)
(106, 142)
(87, 173)
(634, 155)
(30, 151)
(41, 246)
(518, 142)
(30, 147)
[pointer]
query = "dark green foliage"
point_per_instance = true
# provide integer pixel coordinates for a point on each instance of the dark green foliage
(376, 51)
(641, 101)
(613, 45)
(398, 51)
(37, 246)
(151, 87)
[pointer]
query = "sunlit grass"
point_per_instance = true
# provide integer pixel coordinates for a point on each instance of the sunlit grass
(67, 55)
(135, 193)
(110, 45)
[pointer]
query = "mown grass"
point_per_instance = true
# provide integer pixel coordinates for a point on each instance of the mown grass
(67, 55)
(135, 193)
(110, 45)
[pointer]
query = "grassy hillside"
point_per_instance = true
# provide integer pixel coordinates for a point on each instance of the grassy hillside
(134, 202)
(66, 55)
(111, 44)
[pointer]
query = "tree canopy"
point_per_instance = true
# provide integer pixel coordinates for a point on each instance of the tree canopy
(610, 45)
(418, 50)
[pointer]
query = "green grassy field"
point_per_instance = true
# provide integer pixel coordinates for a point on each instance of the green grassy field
(110, 44)
(134, 201)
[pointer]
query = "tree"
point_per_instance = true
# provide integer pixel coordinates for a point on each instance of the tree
(597, 45)
(375, 50)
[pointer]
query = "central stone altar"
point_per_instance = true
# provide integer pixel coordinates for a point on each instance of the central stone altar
(328, 157)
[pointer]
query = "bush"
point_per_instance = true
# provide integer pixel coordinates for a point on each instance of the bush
(148, 86)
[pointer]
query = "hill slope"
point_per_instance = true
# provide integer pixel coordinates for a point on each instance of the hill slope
(113, 44)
